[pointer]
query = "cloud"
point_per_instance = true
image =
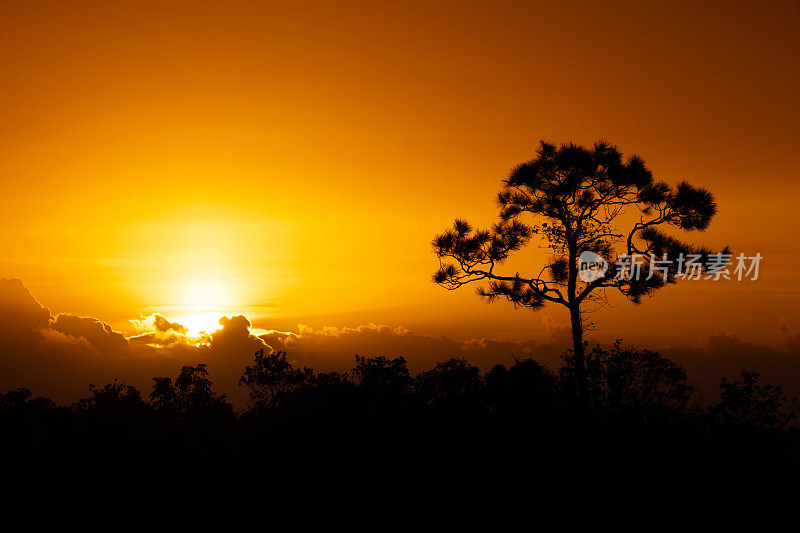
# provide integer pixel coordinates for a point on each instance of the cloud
(158, 339)
(35, 354)
(229, 350)
(333, 348)
(791, 334)
(158, 323)
(97, 333)
(558, 334)
(59, 356)
(157, 331)
(726, 354)
(21, 315)
(161, 323)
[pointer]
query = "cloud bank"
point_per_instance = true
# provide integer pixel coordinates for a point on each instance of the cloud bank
(58, 356)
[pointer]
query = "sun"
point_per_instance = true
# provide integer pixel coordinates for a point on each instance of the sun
(199, 324)
(201, 304)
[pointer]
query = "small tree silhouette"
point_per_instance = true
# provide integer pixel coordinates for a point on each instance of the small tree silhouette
(451, 384)
(272, 376)
(384, 383)
(635, 386)
(746, 403)
(191, 392)
(578, 196)
(114, 397)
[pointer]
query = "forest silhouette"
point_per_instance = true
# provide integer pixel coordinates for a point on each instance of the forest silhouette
(643, 414)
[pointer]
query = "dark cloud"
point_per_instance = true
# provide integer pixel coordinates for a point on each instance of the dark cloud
(726, 354)
(21, 316)
(791, 334)
(230, 349)
(157, 339)
(97, 333)
(162, 324)
(158, 332)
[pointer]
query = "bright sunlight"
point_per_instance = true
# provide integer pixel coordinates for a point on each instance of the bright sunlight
(202, 303)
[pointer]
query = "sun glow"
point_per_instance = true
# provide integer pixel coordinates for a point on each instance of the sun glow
(202, 262)
(202, 303)
(200, 324)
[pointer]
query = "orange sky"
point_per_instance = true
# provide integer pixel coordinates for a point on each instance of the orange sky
(292, 162)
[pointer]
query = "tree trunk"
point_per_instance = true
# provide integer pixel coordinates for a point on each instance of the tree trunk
(578, 356)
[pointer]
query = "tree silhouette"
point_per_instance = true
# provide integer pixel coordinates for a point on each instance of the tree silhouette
(385, 383)
(577, 197)
(164, 397)
(114, 397)
(451, 384)
(526, 387)
(644, 418)
(382, 373)
(635, 386)
(746, 403)
(191, 393)
(16, 397)
(272, 376)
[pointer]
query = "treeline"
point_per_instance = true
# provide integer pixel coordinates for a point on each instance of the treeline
(641, 409)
